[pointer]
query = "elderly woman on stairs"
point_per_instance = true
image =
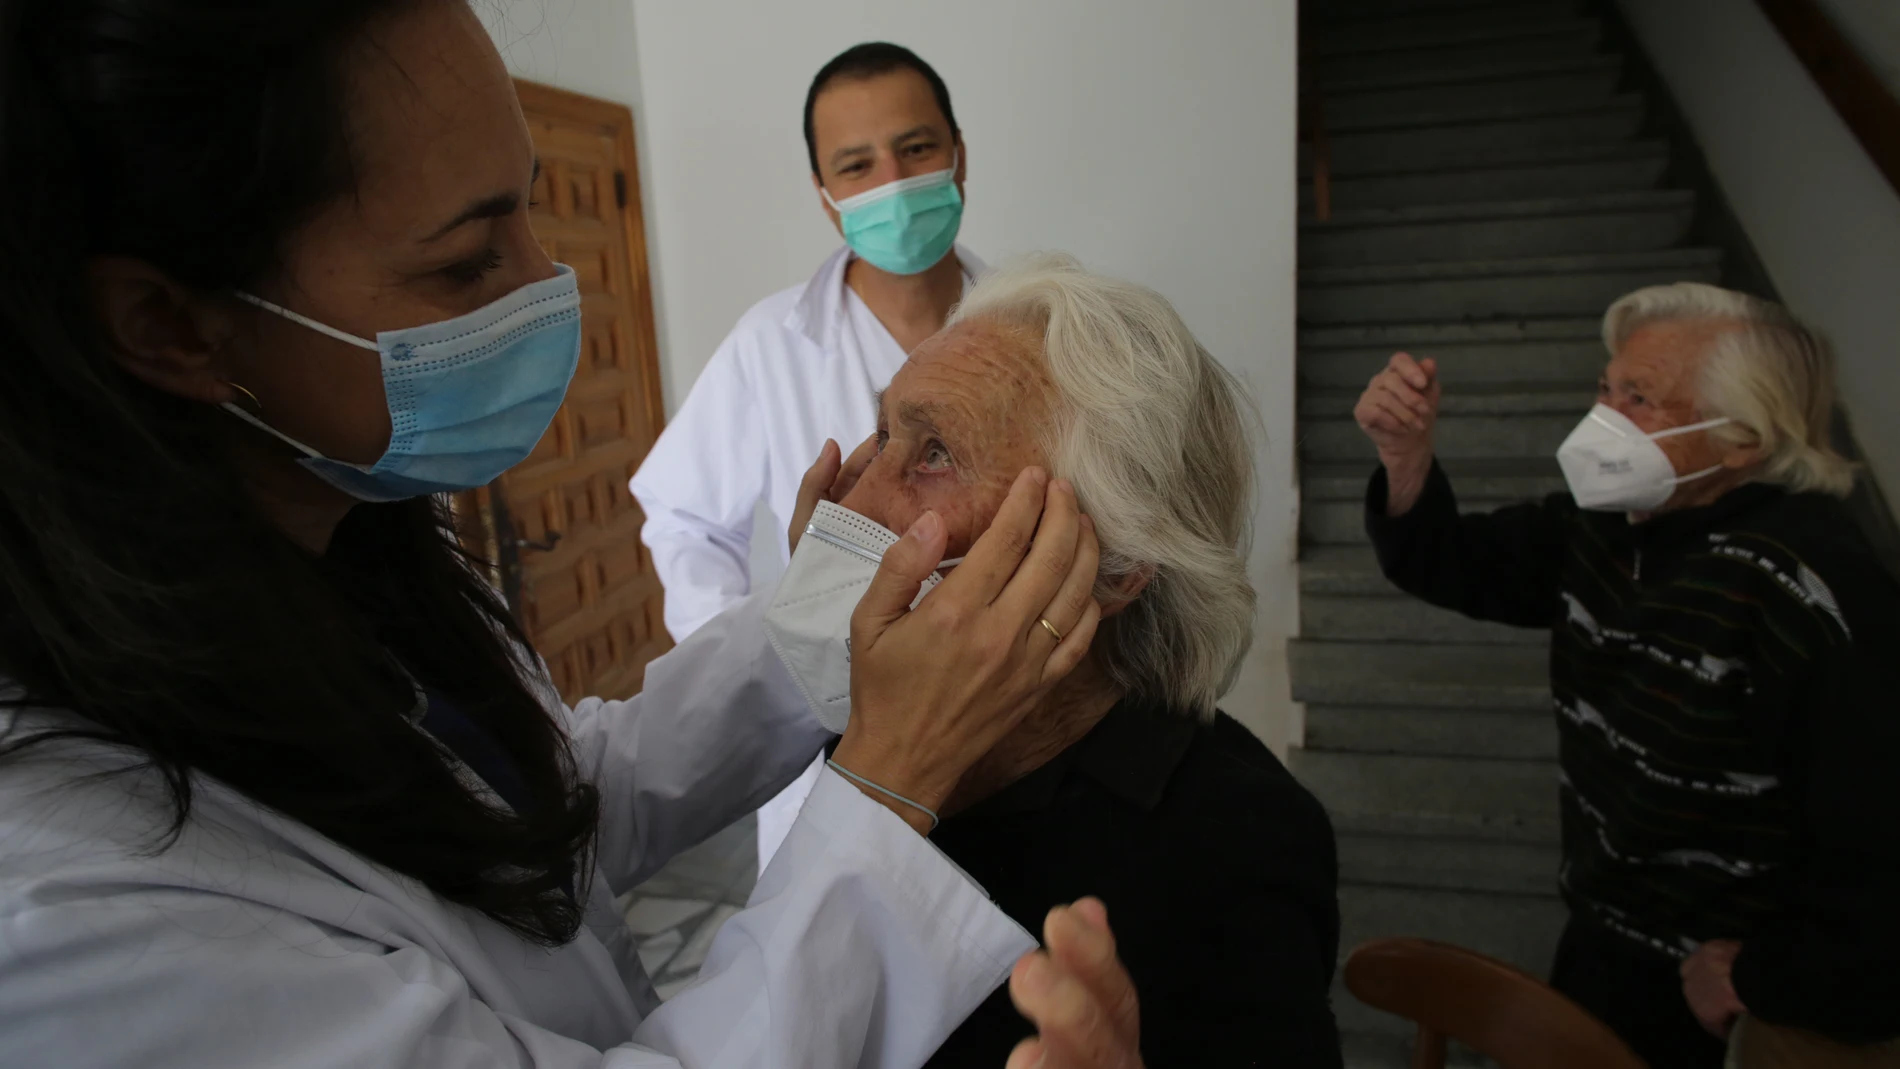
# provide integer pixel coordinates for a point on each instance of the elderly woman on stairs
(1724, 667)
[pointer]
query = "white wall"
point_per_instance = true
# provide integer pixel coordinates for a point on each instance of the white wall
(1874, 28)
(1822, 217)
(582, 45)
(1153, 141)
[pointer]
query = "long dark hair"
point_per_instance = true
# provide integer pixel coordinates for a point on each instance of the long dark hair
(139, 586)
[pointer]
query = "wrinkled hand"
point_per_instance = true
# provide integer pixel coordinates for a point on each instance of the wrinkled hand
(1400, 407)
(1078, 995)
(1398, 412)
(828, 479)
(1707, 986)
(935, 687)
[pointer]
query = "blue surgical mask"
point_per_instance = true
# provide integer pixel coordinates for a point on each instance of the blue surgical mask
(468, 397)
(904, 227)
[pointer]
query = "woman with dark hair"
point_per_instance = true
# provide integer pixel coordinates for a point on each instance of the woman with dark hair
(280, 783)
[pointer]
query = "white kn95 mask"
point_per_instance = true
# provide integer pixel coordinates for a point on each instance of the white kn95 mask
(1612, 465)
(809, 620)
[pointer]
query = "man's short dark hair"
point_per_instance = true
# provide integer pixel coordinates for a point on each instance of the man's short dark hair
(869, 60)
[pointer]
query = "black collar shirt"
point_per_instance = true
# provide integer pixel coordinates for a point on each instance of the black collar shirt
(1219, 873)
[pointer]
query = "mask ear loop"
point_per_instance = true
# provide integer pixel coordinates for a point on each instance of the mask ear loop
(301, 320)
(306, 321)
(1690, 429)
(893, 188)
(1671, 432)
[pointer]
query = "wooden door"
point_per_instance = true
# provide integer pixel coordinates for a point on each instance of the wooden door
(561, 525)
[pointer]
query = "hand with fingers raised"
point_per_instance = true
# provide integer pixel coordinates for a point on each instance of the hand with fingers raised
(1078, 996)
(934, 687)
(1399, 411)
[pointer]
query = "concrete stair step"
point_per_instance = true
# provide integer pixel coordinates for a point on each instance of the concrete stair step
(1434, 677)
(1442, 28)
(1570, 366)
(1604, 222)
(1558, 40)
(1342, 523)
(1595, 83)
(1450, 864)
(1521, 930)
(1335, 87)
(1472, 479)
(1493, 289)
(1401, 618)
(1536, 94)
(1572, 41)
(1455, 437)
(1453, 139)
(1629, 167)
(1342, 570)
(1448, 334)
(1472, 399)
(1489, 734)
(1500, 154)
(1332, 12)
(1430, 797)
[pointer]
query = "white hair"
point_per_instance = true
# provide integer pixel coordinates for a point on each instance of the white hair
(1769, 373)
(1152, 432)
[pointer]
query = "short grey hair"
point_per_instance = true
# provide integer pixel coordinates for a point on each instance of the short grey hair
(1769, 373)
(1153, 433)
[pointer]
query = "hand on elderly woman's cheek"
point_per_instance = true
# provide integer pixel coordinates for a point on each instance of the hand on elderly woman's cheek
(1078, 995)
(828, 479)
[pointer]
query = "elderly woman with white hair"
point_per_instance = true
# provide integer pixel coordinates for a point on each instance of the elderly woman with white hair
(1124, 781)
(1723, 666)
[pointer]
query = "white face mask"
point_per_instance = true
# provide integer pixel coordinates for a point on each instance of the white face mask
(809, 620)
(1612, 465)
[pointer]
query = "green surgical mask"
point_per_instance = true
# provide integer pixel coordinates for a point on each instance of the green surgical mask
(905, 226)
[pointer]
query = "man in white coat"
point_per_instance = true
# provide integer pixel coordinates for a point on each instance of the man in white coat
(802, 366)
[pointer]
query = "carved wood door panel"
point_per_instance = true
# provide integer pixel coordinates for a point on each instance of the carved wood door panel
(561, 524)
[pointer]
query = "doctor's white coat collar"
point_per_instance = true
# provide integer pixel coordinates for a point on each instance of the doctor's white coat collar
(819, 312)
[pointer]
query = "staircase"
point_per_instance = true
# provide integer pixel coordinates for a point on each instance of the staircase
(1494, 188)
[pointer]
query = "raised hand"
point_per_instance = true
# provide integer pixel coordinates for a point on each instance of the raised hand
(1399, 411)
(1078, 995)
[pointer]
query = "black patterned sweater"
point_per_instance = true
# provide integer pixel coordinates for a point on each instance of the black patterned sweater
(1726, 682)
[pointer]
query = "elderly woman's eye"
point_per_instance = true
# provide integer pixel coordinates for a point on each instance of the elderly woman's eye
(883, 439)
(936, 457)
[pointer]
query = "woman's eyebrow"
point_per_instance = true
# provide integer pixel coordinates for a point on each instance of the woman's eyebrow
(491, 207)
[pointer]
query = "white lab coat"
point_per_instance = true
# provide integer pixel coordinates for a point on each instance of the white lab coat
(800, 367)
(254, 941)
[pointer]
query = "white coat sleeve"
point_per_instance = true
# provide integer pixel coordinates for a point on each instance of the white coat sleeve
(698, 487)
(865, 948)
(718, 728)
(862, 945)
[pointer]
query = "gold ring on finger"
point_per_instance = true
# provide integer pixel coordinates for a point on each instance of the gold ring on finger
(1049, 627)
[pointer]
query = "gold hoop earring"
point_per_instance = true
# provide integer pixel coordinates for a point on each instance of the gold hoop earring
(256, 405)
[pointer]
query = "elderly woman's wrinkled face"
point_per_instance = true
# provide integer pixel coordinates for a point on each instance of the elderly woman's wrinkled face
(1652, 381)
(955, 427)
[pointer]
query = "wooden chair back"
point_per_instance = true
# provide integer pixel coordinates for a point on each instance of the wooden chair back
(1509, 1016)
